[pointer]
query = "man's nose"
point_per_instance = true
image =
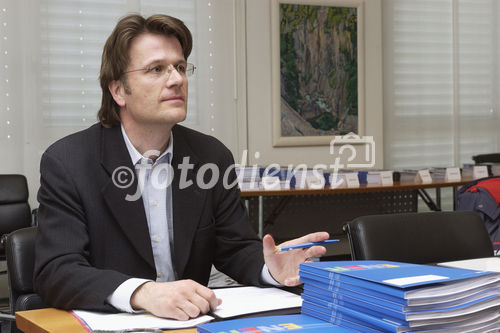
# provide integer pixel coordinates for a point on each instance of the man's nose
(174, 77)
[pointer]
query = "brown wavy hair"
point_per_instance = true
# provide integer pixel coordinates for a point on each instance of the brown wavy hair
(115, 56)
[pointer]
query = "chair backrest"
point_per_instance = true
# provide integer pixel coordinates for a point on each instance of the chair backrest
(20, 252)
(486, 158)
(419, 237)
(15, 210)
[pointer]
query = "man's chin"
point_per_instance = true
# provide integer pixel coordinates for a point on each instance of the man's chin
(176, 116)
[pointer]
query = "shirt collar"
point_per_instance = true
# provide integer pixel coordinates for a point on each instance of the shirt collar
(136, 157)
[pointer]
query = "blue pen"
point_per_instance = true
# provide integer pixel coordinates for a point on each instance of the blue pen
(304, 245)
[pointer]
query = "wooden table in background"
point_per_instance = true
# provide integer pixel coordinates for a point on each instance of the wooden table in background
(58, 321)
(286, 195)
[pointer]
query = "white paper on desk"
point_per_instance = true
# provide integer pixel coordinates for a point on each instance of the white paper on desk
(121, 321)
(491, 264)
(238, 301)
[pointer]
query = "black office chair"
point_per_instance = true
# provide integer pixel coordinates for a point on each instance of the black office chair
(486, 158)
(20, 251)
(419, 237)
(15, 212)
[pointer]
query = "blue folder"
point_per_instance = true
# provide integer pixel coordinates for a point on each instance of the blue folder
(287, 323)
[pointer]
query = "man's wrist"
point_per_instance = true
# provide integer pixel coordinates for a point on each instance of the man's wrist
(267, 278)
(121, 297)
(139, 296)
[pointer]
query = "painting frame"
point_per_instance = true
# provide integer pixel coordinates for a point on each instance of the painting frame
(318, 140)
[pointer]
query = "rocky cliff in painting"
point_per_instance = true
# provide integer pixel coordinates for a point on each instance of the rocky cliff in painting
(318, 64)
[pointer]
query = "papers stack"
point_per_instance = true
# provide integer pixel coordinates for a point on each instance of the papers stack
(374, 296)
(115, 322)
(437, 174)
(467, 170)
(248, 178)
(244, 300)
(380, 177)
(493, 168)
(275, 178)
(491, 264)
(474, 171)
(311, 179)
(408, 176)
(337, 179)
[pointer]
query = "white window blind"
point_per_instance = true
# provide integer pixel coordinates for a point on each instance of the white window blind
(478, 84)
(11, 111)
(73, 32)
(51, 59)
(72, 36)
(440, 81)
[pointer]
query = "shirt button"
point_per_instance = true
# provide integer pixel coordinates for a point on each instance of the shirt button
(158, 274)
(155, 203)
(157, 239)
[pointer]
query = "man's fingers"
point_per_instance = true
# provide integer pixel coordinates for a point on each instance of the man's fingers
(209, 296)
(268, 244)
(315, 251)
(314, 237)
(214, 305)
(201, 303)
(177, 314)
(190, 309)
(179, 300)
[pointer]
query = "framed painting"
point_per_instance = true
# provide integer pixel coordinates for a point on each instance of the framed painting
(317, 70)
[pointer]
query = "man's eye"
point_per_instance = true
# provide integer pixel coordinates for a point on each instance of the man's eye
(156, 69)
(181, 68)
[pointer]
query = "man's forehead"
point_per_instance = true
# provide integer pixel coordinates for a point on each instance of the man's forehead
(155, 47)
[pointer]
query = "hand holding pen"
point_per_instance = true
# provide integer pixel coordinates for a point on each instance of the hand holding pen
(283, 260)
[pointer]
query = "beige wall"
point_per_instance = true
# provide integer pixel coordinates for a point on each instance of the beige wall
(259, 98)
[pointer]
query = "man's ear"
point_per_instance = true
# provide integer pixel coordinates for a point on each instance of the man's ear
(117, 90)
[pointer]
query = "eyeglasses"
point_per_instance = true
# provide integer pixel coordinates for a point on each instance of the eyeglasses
(184, 69)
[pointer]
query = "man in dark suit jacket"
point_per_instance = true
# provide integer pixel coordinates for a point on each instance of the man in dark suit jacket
(105, 241)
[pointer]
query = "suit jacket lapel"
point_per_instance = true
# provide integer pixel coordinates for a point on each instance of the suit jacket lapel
(187, 203)
(129, 214)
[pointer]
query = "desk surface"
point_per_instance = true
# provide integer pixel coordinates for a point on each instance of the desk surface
(58, 321)
(397, 186)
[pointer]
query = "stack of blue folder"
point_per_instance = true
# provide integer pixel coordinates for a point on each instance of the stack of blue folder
(384, 296)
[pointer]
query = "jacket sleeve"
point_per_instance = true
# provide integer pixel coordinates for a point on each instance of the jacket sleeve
(239, 249)
(63, 275)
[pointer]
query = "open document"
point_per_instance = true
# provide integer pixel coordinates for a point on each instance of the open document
(491, 264)
(121, 321)
(244, 300)
(236, 301)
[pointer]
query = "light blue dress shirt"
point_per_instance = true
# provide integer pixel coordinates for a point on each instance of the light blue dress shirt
(153, 181)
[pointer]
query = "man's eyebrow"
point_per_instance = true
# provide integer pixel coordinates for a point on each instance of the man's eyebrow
(155, 62)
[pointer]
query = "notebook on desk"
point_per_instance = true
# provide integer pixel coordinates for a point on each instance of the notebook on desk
(240, 301)
(491, 264)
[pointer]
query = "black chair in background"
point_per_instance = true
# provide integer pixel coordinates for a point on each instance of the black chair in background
(486, 158)
(419, 238)
(20, 251)
(15, 212)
